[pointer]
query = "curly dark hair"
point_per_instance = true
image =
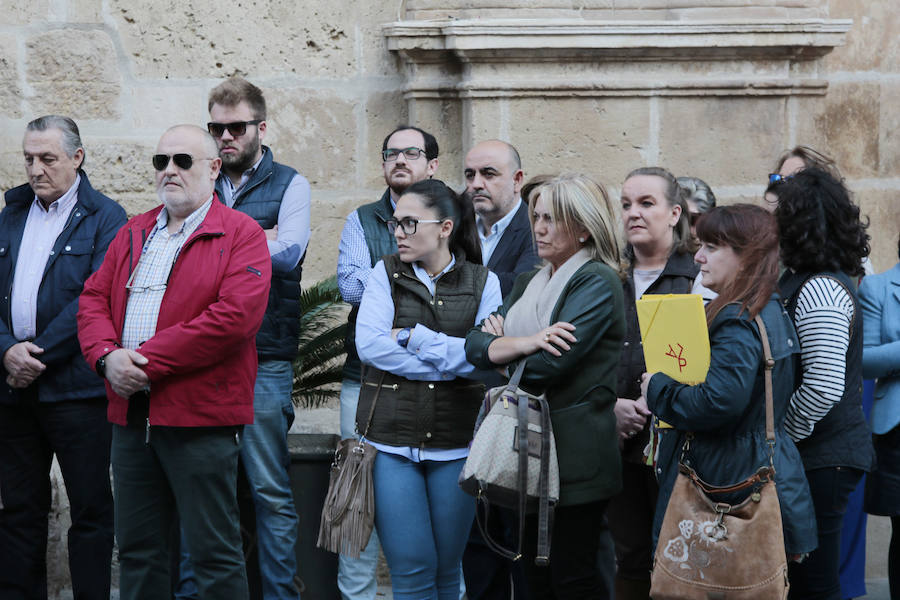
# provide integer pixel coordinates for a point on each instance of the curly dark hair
(819, 225)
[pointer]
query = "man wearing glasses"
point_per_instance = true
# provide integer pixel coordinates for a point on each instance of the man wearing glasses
(169, 319)
(408, 155)
(54, 232)
(278, 198)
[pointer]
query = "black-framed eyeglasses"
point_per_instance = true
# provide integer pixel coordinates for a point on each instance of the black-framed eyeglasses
(182, 161)
(408, 225)
(779, 178)
(236, 129)
(391, 154)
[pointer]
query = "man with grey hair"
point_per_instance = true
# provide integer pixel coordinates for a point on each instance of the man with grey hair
(54, 232)
(170, 320)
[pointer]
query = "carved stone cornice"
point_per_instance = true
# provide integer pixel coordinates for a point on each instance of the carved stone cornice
(575, 57)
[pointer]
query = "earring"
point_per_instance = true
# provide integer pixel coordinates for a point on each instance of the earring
(581, 239)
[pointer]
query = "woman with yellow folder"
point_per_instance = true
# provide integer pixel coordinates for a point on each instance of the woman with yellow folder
(738, 259)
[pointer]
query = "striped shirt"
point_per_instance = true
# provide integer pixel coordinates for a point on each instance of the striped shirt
(823, 316)
(148, 282)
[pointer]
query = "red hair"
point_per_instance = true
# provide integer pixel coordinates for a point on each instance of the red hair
(752, 234)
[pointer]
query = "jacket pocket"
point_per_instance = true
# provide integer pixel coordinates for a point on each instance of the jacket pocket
(579, 442)
(73, 265)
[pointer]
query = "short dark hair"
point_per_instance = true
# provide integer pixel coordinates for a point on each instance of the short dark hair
(71, 137)
(819, 225)
(431, 145)
(235, 90)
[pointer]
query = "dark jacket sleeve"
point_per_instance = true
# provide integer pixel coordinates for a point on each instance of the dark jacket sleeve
(586, 302)
(525, 262)
(59, 339)
(477, 341)
(735, 360)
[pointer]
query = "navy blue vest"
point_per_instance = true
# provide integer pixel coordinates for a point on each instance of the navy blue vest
(260, 198)
(841, 438)
(373, 218)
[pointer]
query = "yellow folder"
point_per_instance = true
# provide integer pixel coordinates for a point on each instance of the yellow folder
(675, 337)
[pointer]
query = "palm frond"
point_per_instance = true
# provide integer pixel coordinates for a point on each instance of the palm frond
(320, 356)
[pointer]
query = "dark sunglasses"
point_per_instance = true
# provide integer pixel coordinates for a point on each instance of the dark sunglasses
(182, 161)
(236, 129)
(779, 178)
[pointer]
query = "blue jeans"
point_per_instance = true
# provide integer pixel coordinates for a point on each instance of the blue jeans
(264, 455)
(78, 433)
(423, 520)
(356, 576)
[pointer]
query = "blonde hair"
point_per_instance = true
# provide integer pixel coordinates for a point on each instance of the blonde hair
(576, 200)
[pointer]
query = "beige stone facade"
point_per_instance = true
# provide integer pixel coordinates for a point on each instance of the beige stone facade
(711, 88)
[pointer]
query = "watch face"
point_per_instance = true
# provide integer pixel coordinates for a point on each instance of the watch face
(403, 337)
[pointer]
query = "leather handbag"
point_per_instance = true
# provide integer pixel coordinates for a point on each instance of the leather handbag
(348, 514)
(711, 549)
(506, 468)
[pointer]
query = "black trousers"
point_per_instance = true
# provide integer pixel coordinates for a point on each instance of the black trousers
(818, 576)
(572, 572)
(631, 515)
(78, 433)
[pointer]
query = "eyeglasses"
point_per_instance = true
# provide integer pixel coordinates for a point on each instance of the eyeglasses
(236, 129)
(391, 154)
(182, 161)
(140, 289)
(408, 225)
(779, 178)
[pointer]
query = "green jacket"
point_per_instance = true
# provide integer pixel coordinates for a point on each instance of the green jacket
(580, 385)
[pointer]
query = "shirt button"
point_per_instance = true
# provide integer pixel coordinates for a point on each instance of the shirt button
(430, 386)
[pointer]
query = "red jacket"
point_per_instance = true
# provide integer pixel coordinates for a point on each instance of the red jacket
(202, 358)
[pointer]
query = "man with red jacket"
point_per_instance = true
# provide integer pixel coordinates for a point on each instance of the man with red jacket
(169, 320)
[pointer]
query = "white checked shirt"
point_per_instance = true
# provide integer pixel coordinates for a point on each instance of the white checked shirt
(42, 227)
(157, 258)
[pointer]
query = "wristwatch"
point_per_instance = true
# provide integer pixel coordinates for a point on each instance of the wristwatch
(403, 336)
(100, 366)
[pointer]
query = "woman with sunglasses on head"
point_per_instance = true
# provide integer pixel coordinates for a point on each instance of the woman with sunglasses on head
(726, 414)
(823, 243)
(659, 253)
(565, 321)
(417, 307)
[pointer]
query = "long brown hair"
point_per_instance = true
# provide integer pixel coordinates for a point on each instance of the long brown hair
(753, 235)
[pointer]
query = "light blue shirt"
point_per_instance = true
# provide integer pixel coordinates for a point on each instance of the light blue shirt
(293, 218)
(489, 242)
(354, 263)
(429, 355)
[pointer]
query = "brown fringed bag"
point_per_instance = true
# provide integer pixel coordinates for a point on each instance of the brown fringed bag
(709, 549)
(348, 514)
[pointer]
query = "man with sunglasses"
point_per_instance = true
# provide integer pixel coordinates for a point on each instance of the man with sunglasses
(408, 155)
(278, 198)
(170, 319)
(54, 232)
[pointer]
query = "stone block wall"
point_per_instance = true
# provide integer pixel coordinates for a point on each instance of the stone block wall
(336, 82)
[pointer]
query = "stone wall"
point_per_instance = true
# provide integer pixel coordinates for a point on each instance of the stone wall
(712, 88)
